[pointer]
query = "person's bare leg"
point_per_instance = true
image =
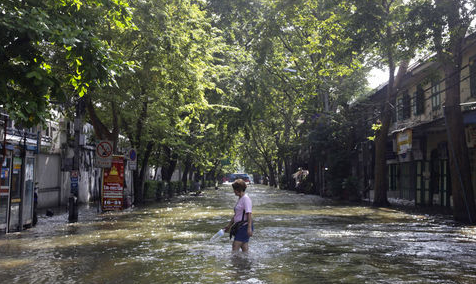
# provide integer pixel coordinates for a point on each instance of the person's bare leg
(236, 245)
(244, 247)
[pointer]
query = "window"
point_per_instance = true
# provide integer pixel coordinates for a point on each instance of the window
(435, 95)
(414, 103)
(403, 107)
(392, 177)
(406, 105)
(418, 101)
(472, 76)
(399, 107)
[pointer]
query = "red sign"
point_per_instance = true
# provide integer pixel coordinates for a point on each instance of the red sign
(113, 185)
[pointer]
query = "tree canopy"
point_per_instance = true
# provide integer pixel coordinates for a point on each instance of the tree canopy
(208, 85)
(51, 50)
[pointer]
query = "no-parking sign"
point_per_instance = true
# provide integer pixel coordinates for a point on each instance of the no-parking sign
(103, 154)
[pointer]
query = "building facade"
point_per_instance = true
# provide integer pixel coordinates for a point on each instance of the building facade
(36, 170)
(418, 147)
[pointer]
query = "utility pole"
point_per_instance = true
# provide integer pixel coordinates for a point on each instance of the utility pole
(75, 172)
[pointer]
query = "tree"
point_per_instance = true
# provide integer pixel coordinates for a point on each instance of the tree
(174, 50)
(309, 39)
(447, 23)
(385, 30)
(48, 46)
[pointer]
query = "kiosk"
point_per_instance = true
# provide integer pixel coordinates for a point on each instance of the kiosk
(17, 185)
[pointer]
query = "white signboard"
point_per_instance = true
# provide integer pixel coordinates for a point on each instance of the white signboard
(103, 154)
(404, 141)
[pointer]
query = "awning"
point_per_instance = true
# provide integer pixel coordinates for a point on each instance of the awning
(469, 117)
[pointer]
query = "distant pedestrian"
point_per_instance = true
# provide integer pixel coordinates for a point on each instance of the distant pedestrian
(299, 178)
(241, 224)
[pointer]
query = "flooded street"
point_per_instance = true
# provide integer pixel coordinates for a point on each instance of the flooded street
(297, 239)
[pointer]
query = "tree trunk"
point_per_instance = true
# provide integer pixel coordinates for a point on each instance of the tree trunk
(290, 184)
(156, 174)
(381, 173)
(464, 208)
(450, 57)
(169, 167)
(312, 170)
(272, 176)
(140, 176)
(101, 131)
(187, 167)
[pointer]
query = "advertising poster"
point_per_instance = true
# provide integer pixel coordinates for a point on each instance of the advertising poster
(404, 141)
(113, 185)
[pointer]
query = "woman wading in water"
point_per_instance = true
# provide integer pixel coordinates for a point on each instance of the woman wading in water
(241, 225)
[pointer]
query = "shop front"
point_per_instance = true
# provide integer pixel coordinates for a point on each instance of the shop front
(17, 187)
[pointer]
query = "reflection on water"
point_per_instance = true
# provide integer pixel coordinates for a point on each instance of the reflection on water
(297, 239)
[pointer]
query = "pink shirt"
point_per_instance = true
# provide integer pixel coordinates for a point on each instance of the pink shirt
(244, 203)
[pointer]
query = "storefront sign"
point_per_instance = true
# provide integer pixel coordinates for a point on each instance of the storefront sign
(404, 141)
(5, 180)
(16, 165)
(113, 185)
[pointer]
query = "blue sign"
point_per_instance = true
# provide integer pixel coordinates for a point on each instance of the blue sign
(8, 147)
(4, 173)
(31, 148)
(74, 188)
(132, 155)
(74, 185)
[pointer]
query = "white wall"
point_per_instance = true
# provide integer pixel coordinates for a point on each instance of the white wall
(176, 176)
(88, 178)
(48, 176)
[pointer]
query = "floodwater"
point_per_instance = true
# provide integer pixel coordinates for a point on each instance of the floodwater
(297, 239)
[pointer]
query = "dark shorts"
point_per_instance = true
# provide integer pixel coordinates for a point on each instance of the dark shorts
(242, 234)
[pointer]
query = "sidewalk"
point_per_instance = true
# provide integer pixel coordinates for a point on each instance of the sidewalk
(409, 206)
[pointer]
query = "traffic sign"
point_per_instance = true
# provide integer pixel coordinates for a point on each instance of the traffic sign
(103, 154)
(74, 177)
(132, 156)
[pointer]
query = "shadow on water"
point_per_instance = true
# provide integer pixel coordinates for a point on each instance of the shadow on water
(297, 239)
